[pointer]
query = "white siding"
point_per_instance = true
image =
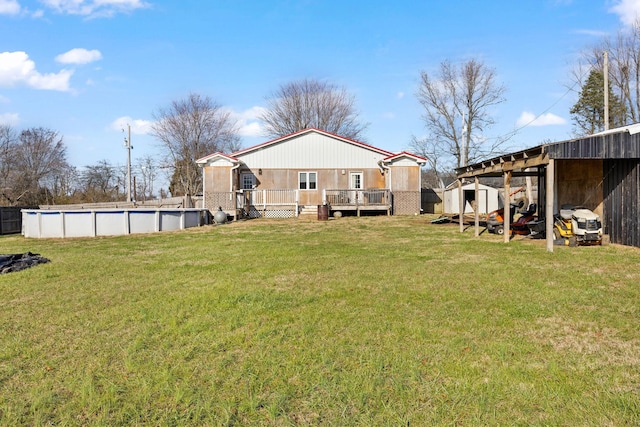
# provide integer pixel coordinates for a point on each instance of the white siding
(405, 161)
(219, 161)
(312, 151)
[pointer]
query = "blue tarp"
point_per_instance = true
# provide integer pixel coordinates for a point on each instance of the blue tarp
(17, 262)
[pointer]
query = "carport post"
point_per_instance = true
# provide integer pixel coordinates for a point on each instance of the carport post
(507, 206)
(460, 205)
(477, 209)
(548, 215)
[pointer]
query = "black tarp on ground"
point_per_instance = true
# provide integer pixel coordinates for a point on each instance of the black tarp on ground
(17, 262)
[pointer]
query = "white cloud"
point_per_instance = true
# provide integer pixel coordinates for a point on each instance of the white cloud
(138, 126)
(253, 129)
(9, 7)
(17, 69)
(79, 56)
(400, 95)
(10, 119)
(248, 121)
(627, 10)
(95, 8)
(529, 119)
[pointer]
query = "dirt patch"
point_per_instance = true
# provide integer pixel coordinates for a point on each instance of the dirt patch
(604, 346)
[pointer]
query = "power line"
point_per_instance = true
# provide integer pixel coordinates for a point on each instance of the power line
(507, 136)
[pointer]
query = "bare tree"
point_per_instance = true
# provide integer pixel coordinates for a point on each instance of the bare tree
(64, 188)
(148, 170)
(457, 103)
(311, 103)
(430, 150)
(99, 182)
(189, 129)
(8, 141)
(38, 157)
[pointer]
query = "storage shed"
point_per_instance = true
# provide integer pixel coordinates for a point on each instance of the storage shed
(488, 199)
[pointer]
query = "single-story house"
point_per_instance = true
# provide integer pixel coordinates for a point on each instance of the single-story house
(600, 172)
(311, 168)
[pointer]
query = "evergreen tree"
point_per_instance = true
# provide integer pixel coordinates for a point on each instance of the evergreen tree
(588, 112)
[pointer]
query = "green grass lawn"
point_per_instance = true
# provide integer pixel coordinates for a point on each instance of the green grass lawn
(383, 321)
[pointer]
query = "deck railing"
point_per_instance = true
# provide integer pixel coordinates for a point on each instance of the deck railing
(371, 197)
(273, 197)
(270, 203)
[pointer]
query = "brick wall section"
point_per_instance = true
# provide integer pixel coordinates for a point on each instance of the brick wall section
(215, 200)
(406, 202)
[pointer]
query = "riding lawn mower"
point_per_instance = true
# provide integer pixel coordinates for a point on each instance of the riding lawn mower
(495, 220)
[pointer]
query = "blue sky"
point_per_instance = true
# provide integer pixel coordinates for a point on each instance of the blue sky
(86, 68)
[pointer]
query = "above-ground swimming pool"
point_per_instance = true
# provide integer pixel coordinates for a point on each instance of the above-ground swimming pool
(108, 222)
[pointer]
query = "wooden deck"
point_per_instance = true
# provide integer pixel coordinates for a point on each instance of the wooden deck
(372, 200)
(285, 203)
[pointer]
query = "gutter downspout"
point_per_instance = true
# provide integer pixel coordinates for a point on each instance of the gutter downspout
(232, 196)
(231, 176)
(382, 168)
(204, 185)
(388, 169)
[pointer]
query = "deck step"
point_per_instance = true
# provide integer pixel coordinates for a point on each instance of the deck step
(309, 210)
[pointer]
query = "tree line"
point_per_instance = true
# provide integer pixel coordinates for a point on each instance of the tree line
(34, 171)
(457, 101)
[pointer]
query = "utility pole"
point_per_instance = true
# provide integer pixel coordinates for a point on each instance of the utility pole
(463, 161)
(605, 72)
(127, 145)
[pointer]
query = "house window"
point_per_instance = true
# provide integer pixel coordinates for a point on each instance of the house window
(248, 181)
(356, 180)
(307, 180)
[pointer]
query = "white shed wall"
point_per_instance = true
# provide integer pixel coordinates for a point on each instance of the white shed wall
(488, 198)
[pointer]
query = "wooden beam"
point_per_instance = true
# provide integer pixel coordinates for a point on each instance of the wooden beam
(497, 166)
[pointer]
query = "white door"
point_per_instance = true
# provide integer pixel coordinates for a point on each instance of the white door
(355, 183)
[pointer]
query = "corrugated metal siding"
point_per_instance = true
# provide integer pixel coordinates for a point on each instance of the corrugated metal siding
(405, 178)
(621, 188)
(312, 151)
(613, 146)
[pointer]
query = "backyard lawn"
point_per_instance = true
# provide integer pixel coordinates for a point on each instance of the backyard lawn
(372, 321)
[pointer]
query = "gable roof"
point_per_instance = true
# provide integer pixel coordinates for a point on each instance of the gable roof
(217, 154)
(306, 131)
(416, 158)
